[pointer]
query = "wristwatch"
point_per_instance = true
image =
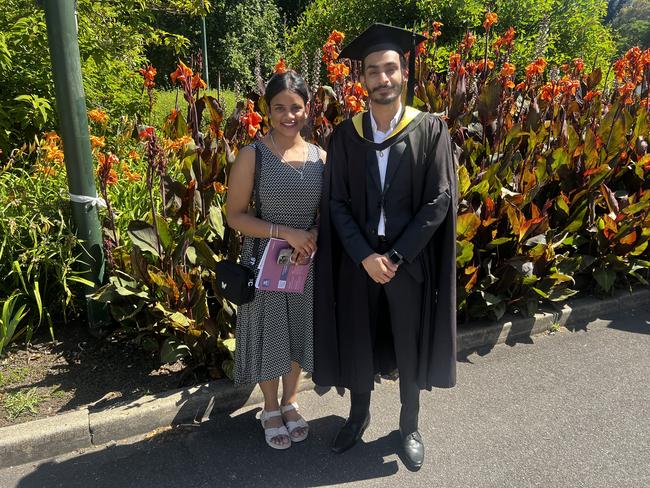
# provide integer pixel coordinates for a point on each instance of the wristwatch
(395, 257)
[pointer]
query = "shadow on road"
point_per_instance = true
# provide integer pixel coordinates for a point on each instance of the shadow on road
(223, 452)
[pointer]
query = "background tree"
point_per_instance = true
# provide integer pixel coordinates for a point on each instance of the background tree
(632, 24)
(112, 41)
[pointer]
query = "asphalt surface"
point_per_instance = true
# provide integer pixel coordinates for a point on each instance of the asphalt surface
(563, 410)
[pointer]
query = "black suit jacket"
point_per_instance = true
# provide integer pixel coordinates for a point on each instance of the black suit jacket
(406, 229)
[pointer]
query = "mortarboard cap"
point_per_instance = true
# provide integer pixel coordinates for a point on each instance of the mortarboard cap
(382, 37)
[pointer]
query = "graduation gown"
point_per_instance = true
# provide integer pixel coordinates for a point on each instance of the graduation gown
(343, 353)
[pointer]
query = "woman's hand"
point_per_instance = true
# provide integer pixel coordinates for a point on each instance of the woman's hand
(302, 241)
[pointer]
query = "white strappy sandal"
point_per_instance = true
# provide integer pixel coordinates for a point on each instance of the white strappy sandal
(292, 425)
(271, 433)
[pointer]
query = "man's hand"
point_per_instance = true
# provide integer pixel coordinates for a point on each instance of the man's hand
(379, 268)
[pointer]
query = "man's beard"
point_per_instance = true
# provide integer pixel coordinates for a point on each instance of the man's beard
(394, 94)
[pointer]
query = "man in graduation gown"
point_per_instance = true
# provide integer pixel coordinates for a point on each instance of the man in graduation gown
(386, 264)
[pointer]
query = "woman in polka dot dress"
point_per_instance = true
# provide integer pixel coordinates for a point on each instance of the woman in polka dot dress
(274, 331)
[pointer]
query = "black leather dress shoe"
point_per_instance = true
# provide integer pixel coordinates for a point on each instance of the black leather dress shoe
(349, 434)
(413, 449)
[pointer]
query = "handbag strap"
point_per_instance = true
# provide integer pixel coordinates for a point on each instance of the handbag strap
(258, 208)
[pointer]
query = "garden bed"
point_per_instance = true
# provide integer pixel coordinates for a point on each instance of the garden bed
(76, 370)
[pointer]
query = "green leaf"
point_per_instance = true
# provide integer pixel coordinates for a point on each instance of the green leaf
(166, 239)
(605, 278)
(464, 252)
(173, 350)
(144, 236)
(463, 180)
(215, 219)
(466, 225)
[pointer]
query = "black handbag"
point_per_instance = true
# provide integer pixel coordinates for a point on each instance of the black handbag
(236, 281)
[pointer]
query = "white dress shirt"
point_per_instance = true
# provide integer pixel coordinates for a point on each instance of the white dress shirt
(382, 158)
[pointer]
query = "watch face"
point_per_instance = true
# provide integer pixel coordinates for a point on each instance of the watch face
(394, 257)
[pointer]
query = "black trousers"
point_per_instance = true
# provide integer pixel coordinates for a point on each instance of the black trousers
(399, 301)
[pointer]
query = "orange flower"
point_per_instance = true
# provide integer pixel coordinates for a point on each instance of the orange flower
(568, 86)
(131, 175)
(536, 68)
(197, 83)
(421, 48)
(330, 52)
(337, 72)
(435, 34)
(336, 37)
(506, 73)
(507, 70)
(353, 104)
(176, 144)
(98, 116)
(133, 154)
(219, 187)
(454, 62)
(281, 67)
(579, 65)
(491, 18)
(506, 41)
(481, 65)
(468, 42)
(182, 73)
(146, 133)
(549, 91)
(148, 74)
(521, 86)
(105, 171)
(97, 142)
(591, 95)
(52, 137)
(46, 170)
(53, 154)
(355, 89)
(251, 120)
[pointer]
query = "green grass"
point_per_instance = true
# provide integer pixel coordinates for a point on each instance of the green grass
(21, 402)
(164, 101)
(13, 375)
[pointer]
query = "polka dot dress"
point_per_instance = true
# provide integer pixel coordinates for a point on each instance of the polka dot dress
(276, 328)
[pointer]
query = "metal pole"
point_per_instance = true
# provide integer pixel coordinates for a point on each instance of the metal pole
(205, 53)
(71, 109)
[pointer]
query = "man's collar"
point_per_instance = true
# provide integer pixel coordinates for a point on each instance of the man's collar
(393, 123)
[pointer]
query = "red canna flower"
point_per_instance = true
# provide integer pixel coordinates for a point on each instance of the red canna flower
(336, 37)
(481, 65)
(148, 74)
(182, 73)
(491, 18)
(468, 42)
(435, 34)
(280, 67)
(506, 41)
(337, 72)
(197, 83)
(506, 73)
(591, 95)
(536, 68)
(579, 64)
(353, 104)
(105, 171)
(219, 187)
(251, 120)
(146, 133)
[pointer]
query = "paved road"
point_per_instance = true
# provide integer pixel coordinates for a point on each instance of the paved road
(569, 410)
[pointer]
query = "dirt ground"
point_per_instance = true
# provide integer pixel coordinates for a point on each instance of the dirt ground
(76, 370)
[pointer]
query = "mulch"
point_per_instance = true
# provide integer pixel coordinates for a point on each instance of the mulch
(78, 369)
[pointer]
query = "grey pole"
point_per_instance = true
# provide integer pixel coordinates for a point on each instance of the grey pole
(61, 22)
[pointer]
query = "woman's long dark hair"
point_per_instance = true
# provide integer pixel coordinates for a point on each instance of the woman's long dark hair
(289, 80)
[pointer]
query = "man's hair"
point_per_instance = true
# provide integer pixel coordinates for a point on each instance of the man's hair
(402, 63)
